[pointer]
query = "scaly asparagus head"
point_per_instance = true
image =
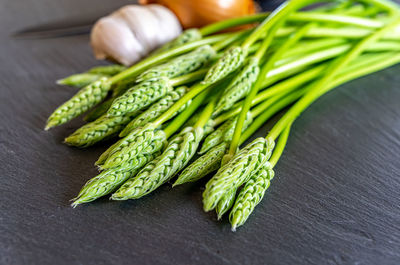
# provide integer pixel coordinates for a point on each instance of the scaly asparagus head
(175, 157)
(103, 128)
(204, 165)
(239, 86)
(223, 133)
(155, 110)
(133, 144)
(250, 195)
(86, 98)
(231, 60)
(140, 96)
(109, 180)
(225, 203)
(236, 171)
(181, 65)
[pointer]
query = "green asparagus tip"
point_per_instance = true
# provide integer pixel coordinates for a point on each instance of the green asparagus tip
(177, 182)
(219, 216)
(72, 140)
(76, 202)
(123, 133)
(236, 220)
(208, 204)
(117, 196)
(61, 82)
(48, 126)
(226, 158)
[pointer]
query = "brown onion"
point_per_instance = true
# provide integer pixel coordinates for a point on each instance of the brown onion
(198, 13)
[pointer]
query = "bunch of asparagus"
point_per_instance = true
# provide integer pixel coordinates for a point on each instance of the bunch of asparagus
(208, 92)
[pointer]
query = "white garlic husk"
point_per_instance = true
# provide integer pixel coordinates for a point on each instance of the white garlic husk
(132, 32)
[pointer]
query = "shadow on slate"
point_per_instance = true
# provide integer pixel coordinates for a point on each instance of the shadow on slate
(335, 198)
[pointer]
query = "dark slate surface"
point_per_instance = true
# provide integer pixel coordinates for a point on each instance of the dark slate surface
(335, 198)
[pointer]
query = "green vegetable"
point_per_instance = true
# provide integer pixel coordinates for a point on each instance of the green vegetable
(133, 144)
(140, 96)
(251, 194)
(204, 165)
(239, 86)
(223, 133)
(155, 110)
(103, 128)
(93, 74)
(99, 110)
(109, 180)
(86, 98)
(236, 171)
(231, 60)
(186, 36)
(181, 65)
(292, 57)
(177, 154)
(79, 80)
(225, 203)
(103, 157)
(109, 70)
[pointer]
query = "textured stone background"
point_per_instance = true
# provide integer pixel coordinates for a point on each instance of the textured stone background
(335, 198)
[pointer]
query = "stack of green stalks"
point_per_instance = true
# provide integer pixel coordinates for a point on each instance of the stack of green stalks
(207, 92)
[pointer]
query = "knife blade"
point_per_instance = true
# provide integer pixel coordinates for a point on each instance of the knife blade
(56, 29)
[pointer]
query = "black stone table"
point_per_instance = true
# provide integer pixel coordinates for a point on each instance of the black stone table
(335, 198)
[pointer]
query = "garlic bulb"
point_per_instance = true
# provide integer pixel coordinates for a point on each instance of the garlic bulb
(133, 31)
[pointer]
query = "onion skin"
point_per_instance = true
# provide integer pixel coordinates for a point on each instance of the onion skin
(130, 33)
(198, 13)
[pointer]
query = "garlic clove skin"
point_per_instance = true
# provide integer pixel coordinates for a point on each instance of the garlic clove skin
(143, 24)
(111, 38)
(130, 33)
(169, 26)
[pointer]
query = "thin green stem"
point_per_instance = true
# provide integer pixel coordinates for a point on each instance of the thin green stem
(188, 78)
(308, 46)
(253, 92)
(296, 81)
(293, 65)
(336, 19)
(338, 32)
(321, 86)
(265, 45)
(278, 14)
(228, 41)
(387, 5)
(229, 23)
(365, 66)
(159, 57)
(194, 91)
(271, 111)
(185, 115)
(280, 145)
(206, 113)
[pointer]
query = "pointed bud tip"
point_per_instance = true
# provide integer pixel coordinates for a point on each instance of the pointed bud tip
(61, 82)
(117, 197)
(75, 203)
